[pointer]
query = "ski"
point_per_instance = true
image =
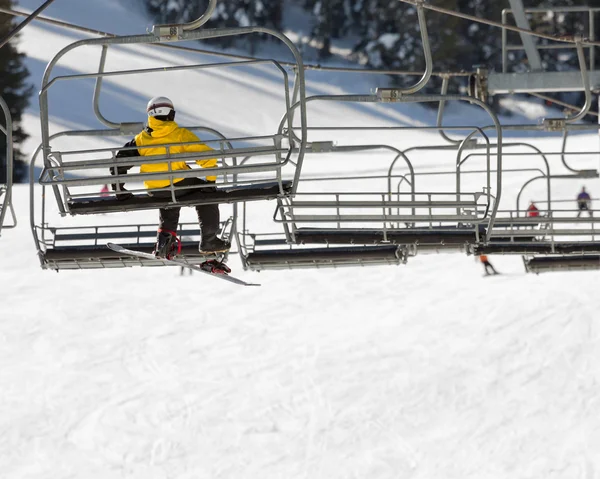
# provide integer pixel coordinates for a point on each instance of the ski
(232, 279)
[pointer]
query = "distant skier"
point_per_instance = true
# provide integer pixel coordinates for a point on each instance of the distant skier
(486, 264)
(584, 202)
(533, 211)
(104, 191)
(162, 129)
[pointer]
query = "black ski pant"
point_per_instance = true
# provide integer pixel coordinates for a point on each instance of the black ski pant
(208, 215)
(583, 207)
(486, 265)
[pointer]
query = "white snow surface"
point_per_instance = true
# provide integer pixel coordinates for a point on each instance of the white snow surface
(426, 370)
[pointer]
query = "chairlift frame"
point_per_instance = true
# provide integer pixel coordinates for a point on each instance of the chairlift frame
(6, 189)
(489, 230)
(56, 169)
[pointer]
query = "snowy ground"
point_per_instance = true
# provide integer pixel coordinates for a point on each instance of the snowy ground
(421, 371)
(426, 370)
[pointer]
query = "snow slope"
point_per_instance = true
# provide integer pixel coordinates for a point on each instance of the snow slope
(420, 371)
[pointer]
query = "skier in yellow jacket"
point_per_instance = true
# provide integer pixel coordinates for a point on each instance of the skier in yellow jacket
(162, 129)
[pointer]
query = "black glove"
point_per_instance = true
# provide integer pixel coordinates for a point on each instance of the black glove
(123, 194)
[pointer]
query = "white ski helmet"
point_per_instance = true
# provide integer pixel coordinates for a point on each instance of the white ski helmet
(159, 106)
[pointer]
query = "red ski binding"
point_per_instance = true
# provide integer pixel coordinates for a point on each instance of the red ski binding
(215, 267)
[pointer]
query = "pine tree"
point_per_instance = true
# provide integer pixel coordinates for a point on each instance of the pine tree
(331, 22)
(559, 24)
(391, 39)
(15, 92)
(389, 33)
(232, 13)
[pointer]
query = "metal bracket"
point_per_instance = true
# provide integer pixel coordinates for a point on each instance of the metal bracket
(175, 31)
(478, 84)
(388, 94)
(321, 146)
(587, 173)
(168, 32)
(554, 124)
(470, 144)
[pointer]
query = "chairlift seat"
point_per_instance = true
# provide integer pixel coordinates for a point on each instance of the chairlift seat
(513, 238)
(425, 236)
(85, 247)
(519, 223)
(100, 256)
(538, 247)
(324, 255)
(233, 194)
(540, 264)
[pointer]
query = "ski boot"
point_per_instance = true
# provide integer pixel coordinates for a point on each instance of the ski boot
(214, 245)
(167, 245)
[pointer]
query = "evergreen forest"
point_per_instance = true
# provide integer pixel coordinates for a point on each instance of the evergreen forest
(16, 92)
(385, 34)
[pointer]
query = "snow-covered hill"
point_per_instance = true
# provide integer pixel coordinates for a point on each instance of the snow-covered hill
(422, 371)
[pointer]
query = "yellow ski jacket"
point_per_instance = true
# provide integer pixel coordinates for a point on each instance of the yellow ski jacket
(163, 132)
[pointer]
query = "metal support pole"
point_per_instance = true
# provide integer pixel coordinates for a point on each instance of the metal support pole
(440, 114)
(9, 162)
(504, 42)
(592, 19)
(586, 85)
(24, 23)
(97, 89)
(533, 56)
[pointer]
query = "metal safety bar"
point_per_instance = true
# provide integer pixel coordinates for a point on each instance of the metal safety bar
(24, 23)
(82, 178)
(6, 188)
